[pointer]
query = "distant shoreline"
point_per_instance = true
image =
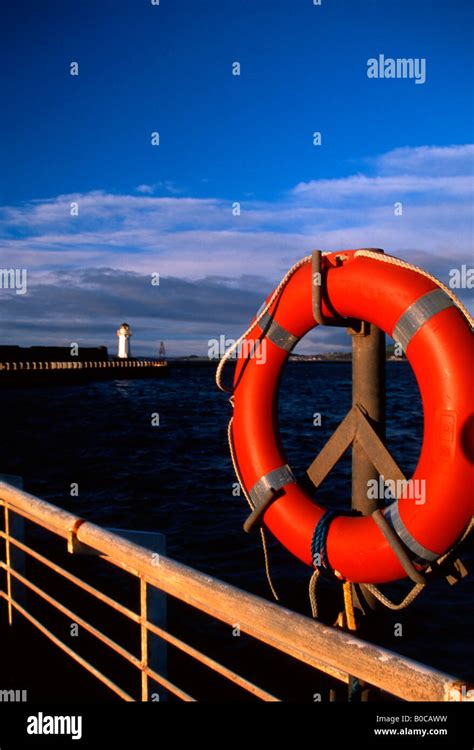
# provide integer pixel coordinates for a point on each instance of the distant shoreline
(312, 359)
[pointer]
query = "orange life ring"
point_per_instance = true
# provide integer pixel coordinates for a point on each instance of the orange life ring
(438, 343)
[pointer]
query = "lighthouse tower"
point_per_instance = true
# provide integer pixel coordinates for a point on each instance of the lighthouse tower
(124, 334)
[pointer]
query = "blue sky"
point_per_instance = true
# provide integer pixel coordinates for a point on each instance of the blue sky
(223, 138)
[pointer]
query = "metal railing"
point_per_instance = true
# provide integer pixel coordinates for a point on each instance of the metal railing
(82, 365)
(330, 650)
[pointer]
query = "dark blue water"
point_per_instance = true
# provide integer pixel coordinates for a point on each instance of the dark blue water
(177, 478)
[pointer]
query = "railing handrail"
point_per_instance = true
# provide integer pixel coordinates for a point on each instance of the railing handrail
(307, 640)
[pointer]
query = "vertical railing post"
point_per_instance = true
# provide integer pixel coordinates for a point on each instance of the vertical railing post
(144, 637)
(8, 563)
(15, 559)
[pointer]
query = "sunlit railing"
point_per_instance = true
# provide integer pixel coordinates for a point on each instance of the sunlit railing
(329, 650)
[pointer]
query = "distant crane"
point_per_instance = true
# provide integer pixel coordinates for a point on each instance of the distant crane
(162, 352)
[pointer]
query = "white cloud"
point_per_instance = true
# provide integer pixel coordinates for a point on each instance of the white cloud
(166, 185)
(145, 189)
(353, 189)
(428, 160)
(192, 239)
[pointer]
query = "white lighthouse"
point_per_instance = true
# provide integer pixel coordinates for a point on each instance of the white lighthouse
(124, 334)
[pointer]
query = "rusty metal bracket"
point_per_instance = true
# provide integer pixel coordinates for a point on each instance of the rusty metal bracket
(398, 548)
(74, 546)
(317, 297)
(354, 426)
(375, 449)
(256, 516)
(332, 451)
(362, 330)
(355, 327)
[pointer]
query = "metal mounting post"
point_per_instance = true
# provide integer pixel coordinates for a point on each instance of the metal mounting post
(364, 425)
(368, 394)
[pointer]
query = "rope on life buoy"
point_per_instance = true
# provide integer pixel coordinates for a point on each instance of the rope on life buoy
(258, 317)
(247, 497)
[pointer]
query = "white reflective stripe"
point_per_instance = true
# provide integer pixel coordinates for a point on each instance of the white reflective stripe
(274, 480)
(418, 314)
(392, 515)
(276, 333)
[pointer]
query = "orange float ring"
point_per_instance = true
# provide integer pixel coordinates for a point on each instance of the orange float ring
(437, 339)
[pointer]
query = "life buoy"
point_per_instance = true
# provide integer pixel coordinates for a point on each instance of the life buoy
(437, 339)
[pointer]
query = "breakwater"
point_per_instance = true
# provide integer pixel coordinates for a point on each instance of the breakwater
(31, 373)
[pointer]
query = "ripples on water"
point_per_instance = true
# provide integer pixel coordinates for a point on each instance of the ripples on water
(177, 478)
